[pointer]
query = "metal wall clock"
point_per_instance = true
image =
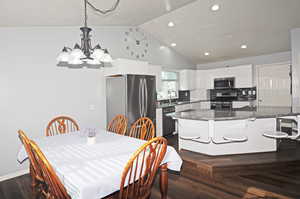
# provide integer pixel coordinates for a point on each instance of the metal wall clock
(136, 43)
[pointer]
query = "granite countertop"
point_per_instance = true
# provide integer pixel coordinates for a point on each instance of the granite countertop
(236, 114)
(180, 103)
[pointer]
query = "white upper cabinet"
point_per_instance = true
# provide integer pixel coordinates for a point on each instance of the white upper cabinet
(187, 80)
(127, 66)
(243, 75)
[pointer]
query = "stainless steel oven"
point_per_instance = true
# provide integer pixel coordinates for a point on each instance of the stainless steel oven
(222, 83)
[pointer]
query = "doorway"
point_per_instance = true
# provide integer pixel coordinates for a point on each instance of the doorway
(274, 85)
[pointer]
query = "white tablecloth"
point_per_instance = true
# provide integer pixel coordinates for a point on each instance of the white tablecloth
(93, 171)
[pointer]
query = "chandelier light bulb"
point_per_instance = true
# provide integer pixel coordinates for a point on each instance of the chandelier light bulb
(93, 61)
(75, 61)
(63, 56)
(97, 54)
(106, 57)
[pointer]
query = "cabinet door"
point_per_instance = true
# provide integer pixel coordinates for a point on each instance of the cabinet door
(196, 105)
(240, 104)
(187, 80)
(205, 105)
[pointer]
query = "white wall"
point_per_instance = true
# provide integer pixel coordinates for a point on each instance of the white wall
(33, 90)
(256, 60)
(295, 42)
(113, 39)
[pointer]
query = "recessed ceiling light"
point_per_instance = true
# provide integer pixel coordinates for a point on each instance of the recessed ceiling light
(244, 46)
(162, 47)
(215, 7)
(173, 44)
(171, 24)
(206, 53)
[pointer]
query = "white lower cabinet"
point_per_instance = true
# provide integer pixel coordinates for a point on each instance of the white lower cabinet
(196, 105)
(205, 105)
(240, 104)
(159, 122)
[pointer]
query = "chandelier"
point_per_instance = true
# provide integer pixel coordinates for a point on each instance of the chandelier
(84, 55)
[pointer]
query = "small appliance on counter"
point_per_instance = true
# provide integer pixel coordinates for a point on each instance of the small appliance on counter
(246, 94)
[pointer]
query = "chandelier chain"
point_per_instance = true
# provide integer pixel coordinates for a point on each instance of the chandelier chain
(114, 7)
(85, 13)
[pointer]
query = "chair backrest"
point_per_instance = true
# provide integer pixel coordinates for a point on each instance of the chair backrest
(118, 125)
(35, 170)
(61, 125)
(139, 173)
(54, 188)
(143, 129)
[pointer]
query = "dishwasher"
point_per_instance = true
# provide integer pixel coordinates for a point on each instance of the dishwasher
(168, 122)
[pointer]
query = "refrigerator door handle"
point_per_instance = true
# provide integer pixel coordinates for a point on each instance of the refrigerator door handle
(146, 98)
(143, 98)
(140, 97)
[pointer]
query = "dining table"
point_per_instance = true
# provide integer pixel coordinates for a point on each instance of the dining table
(93, 170)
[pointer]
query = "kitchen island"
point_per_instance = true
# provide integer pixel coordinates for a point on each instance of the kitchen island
(223, 132)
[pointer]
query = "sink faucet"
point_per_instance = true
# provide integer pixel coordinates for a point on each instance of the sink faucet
(170, 95)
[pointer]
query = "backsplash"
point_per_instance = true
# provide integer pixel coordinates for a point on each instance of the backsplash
(184, 96)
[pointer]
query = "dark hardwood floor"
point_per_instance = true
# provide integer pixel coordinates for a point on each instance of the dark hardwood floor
(278, 182)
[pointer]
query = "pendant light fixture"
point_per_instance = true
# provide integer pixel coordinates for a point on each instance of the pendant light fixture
(85, 55)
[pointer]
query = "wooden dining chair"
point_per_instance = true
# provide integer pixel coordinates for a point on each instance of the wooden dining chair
(143, 129)
(118, 125)
(140, 171)
(35, 170)
(53, 188)
(61, 125)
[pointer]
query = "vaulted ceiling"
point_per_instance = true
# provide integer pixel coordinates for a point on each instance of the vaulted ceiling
(70, 12)
(263, 25)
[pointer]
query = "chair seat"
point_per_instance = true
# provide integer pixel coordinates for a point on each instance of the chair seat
(235, 137)
(190, 137)
(276, 134)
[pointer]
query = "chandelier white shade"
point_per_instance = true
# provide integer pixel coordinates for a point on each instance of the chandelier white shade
(85, 55)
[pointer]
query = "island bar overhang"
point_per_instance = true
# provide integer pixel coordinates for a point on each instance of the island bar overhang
(212, 130)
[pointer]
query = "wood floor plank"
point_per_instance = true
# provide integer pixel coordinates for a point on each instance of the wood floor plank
(267, 188)
(11, 189)
(2, 196)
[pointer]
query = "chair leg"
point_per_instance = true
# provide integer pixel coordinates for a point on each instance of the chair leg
(164, 181)
(33, 180)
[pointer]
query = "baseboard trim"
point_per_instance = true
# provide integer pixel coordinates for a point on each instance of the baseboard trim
(13, 175)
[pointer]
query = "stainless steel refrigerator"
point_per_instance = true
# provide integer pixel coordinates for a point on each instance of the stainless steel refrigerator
(131, 95)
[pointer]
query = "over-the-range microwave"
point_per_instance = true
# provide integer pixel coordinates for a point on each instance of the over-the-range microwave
(221, 83)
